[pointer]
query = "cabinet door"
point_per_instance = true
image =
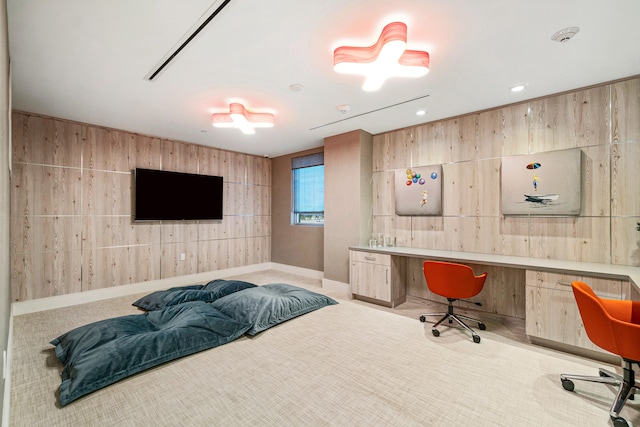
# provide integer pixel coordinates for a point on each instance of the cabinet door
(551, 309)
(371, 280)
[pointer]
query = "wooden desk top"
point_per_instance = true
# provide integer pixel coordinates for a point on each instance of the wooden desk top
(620, 272)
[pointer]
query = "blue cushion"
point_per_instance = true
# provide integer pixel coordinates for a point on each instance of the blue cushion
(101, 353)
(268, 305)
(210, 292)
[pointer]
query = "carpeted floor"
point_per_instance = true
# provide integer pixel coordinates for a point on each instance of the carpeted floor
(352, 364)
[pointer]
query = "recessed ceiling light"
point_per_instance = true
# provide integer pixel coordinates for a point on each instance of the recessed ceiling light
(518, 88)
(296, 87)
(421, 112)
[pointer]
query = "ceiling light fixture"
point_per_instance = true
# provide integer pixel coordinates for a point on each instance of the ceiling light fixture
(421, 112)
(388, 57)
(239, 117)
(518, 88)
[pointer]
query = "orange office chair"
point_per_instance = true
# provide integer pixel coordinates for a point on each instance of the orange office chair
(454, 282)
(613, 325)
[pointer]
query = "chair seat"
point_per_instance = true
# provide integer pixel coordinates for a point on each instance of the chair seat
(454, 282)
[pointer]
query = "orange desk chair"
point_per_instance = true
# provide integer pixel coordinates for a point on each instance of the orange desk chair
(454, 282)
(612, 325)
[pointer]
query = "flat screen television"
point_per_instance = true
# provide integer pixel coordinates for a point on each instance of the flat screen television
(173, 196)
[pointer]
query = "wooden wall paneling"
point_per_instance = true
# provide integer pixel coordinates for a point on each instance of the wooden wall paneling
(264, 195)
(383, 192)
(106, 149)
(596, 181)
(45, 274)
(473, 234)
(576, 119)
(431, 148)
(179, 156)
(104, 231)
(503, 131)
(256, 250)
(625, 242)
(381, 155)
(235, 167)
(210, 160)
(400, 148)
(210, 230)
(397, 226)
(170, 263)
(178, 231)
(503, 292)
(585, 239)
(145, 152)
(258, 170)
(106, 193)
(237, 253)
(625, 110)
(428, 232)
(45, 233)
(45, 190)
(465, 145)
(46, 141)
(625, 184)
(515, 236)
(472, 188)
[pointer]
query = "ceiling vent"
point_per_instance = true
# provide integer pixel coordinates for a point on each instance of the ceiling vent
(565, 34)
(211, 13)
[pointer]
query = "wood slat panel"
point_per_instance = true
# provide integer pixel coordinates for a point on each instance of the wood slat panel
(625, 184)
(106, 193)
(45, 274)
(45, 190)
(583, 239)
(504, 131)
(576, 119)
(625, 109)
(476, 186)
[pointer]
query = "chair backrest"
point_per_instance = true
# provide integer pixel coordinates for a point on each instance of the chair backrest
(452, 280)
(597, 322)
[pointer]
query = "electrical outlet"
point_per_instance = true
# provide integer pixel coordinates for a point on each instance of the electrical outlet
(183, 257)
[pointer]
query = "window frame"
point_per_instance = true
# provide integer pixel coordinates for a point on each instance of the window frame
(304, 162)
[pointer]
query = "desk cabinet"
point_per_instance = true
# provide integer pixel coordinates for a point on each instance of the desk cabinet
(377, 277)
(551, 309)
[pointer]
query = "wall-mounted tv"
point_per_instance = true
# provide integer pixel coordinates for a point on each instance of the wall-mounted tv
(173, 196)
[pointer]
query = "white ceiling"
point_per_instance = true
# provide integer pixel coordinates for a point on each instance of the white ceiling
(85, 60)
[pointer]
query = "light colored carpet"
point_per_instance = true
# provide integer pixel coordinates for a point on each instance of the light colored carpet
(345, 365)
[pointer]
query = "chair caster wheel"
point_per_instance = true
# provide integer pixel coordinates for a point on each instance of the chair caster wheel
(423, 319)
(619, 422)
(482, 326)
(435, 332)
(567, 384)
(476, 339)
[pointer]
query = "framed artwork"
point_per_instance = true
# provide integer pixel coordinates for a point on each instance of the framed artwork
(419, 190)
(542, 184)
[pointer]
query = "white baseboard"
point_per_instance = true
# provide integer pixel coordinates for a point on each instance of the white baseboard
(306, 272)
(335, 286)
(41, 304)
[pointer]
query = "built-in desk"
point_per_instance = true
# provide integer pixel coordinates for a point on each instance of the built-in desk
(551, 314)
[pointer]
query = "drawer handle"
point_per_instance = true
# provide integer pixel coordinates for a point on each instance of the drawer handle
(370, 258)
(561, 283)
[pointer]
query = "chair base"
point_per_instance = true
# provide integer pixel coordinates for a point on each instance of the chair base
(625, 383)
(451, 316)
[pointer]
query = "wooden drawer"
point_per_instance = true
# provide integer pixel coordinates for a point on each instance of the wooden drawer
(605, 288)
(370, 258)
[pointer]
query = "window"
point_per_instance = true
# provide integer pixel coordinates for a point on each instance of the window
(308, 189)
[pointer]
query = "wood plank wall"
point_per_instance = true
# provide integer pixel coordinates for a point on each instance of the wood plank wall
(71, 209)
(603, 121)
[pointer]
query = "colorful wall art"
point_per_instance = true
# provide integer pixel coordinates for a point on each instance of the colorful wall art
(542, 184)
(419, 190)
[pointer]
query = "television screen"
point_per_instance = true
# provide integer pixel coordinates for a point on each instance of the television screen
(164, 195)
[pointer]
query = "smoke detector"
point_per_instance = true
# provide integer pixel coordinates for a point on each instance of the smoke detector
(565, 34)
(343, 108)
